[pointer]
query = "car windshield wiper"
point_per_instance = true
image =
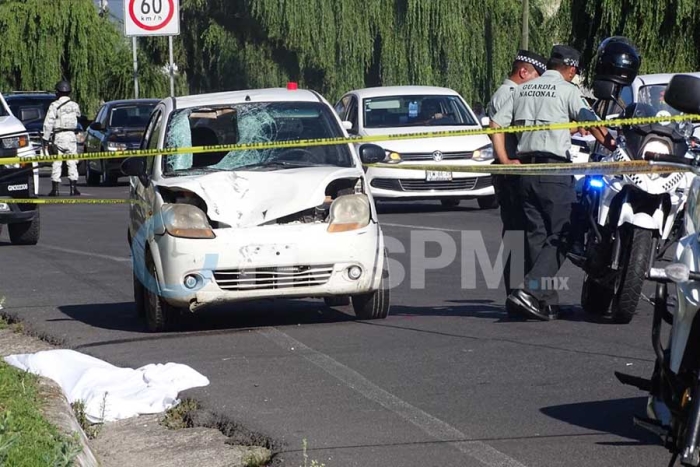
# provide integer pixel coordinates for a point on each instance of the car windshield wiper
(278, 165)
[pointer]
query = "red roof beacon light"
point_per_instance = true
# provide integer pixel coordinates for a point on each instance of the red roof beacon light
(292, 86)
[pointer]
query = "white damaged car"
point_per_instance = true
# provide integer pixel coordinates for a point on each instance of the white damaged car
(229, 226)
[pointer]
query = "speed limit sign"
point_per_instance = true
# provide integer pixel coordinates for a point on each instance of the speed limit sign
(152, 17)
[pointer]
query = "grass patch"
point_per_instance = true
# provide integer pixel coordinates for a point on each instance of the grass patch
(90, 430)
(27, 439)
(180, 416)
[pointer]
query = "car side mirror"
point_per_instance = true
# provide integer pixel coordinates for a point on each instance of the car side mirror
(135, 167)
(97, 126)
(683, 93)
(372, 154)
(485, 122)
(349, 127)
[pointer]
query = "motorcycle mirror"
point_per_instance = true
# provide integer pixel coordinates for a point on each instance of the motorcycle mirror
(683, 93)
(677, 272)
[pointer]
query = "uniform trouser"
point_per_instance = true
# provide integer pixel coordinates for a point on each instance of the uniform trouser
(547, 203)
(65, 143)
(513, 231)
(72, 171)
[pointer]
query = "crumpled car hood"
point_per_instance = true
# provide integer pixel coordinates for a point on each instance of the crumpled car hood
(251, 198)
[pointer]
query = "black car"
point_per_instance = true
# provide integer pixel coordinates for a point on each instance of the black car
(30, 108)
(118, 126)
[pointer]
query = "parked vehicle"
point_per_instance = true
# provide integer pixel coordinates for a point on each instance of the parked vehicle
(118, 126)
(30, 108)
(289, 222)
(17, 180)
(419, 109)
(631, 216)
(673, 407)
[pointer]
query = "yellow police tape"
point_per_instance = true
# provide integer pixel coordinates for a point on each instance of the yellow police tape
(68, 201)
(342, 140)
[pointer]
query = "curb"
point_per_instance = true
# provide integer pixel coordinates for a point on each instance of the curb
(59, 412)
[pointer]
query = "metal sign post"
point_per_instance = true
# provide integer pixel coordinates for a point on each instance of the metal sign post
(136, 68)
(144, 18)
(172, 67)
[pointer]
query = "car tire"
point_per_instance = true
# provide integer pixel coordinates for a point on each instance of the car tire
(139, 296)
(25, 233)
(160, 315)
(450, 203)
(336, 301)
(111, 179)
(374, 305)
(91, 178)
(488, 202)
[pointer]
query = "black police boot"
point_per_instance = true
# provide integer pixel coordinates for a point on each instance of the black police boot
(528, 305)
(54, 188)
(74, 188)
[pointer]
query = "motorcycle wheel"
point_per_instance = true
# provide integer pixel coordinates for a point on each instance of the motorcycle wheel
(595, 298)
(632, 276)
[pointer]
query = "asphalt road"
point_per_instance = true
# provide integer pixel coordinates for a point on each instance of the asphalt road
(445, 380)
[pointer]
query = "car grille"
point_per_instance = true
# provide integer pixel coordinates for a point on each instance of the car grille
(428, 156)
(287, 277)
(407, 184)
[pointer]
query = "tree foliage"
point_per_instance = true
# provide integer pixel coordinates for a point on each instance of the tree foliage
(666, 33)
(45, 41)
(334, 46)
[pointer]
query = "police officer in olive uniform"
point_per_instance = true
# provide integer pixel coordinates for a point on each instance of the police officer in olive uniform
(526, 66)
(546, 199)
(60, 127)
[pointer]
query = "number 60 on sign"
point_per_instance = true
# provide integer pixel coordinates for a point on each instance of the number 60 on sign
(152, 17)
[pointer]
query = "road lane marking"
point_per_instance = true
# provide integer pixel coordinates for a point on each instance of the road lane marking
(119, 259)
(433, 426)
(419, 227)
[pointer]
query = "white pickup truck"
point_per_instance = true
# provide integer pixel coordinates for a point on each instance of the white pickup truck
(17, 180)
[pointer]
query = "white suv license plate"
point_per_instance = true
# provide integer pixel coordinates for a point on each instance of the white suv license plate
(433, 176)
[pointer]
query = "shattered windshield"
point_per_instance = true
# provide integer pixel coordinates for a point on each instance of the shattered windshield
(654, 96)
(403, 111)
(253, 123)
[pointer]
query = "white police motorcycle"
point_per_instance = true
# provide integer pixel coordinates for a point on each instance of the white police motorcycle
(673, 406)
(630, 219)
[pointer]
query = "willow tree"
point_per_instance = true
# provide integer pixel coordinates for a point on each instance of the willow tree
(334, 46)
(45, 41)
(666, 33)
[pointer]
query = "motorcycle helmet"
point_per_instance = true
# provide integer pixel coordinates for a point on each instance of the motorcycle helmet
(618, 61)
(63, 87)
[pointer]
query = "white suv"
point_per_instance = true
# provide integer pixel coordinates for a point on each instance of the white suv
(223, 227)
(17, 180)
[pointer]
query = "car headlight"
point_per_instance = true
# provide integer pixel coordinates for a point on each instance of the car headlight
(15, 142)
(483, 154)
(349, 212)
(112, 146)
(186, 221)
(392, 157)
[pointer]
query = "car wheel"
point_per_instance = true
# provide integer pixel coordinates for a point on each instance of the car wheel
(160, 316)
(336, 301)
(450, 203)
(488, 202)
(139, 296)
(91, 178)
(111, 179)
(81, 167)
(25, 233)
(374, 305)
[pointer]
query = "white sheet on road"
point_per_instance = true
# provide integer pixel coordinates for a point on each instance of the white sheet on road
(108, 392)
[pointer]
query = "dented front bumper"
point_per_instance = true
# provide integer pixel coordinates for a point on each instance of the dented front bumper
(277, 261)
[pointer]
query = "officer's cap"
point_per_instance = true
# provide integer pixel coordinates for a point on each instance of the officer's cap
(536, 60)
(563, 54)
